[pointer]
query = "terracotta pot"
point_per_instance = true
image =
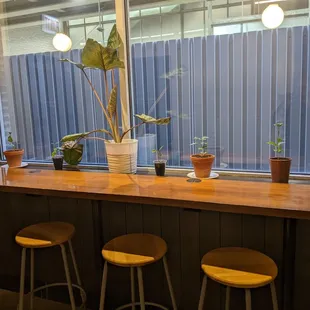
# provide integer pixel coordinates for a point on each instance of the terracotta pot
(14, 158)
(280, 169)
(202, 165)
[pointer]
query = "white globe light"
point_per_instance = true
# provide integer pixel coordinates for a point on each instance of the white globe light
(273, 16)
(62, 42)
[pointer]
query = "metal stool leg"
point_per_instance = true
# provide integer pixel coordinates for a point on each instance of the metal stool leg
(64, 257)
(141, 288)
(22, 280)
(31, 278)
(248, 299)
(103, 285)
(203, 293)
(174, 304)
(274, 296)
(227, 302)
(132, 286)
(77, 274)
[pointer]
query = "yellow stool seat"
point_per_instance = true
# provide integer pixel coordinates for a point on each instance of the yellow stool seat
(44, 235)
(134, 250)
(239, 267)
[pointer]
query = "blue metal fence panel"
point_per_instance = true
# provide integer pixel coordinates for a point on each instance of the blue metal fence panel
(231, 88)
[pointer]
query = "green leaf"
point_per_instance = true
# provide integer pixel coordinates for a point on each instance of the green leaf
(10, 139)
(279, 124)
(111, 59)
(154, 151)
(80, 66)
(112, 102)
(95, 55)
(279, 139)
(151, 120)
(76, 136)
(161, 148)
(114, 40)
(272, 143)
(92, 55)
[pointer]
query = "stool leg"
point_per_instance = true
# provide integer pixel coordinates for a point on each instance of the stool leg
(203, 293)
(77, 274)
(248, 299)
(274, 296)
(132, 286)
(141, 288)
(31, 278)
(103, 285)
(64, 257)
(174, 304)
(227, 302)
(22, 280)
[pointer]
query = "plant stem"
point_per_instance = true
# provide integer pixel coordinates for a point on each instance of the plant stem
(116, 112)
(116, 137)
(91, 132)
(133, 127)
(100, 102)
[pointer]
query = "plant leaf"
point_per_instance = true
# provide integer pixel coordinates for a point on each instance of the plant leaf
(80, 66)
(77, 136)
(92, 55)
(161, 148)
(112, 102)
(114, 40)
(272, 143)
(111, 59)
(151, 120)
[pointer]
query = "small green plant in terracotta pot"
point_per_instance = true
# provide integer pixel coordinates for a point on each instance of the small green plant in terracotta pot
(202, 161)
(14, 156)
(280, 166)
(159, 163)
(57, 159)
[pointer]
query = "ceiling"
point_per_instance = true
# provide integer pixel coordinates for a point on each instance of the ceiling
(24, 11)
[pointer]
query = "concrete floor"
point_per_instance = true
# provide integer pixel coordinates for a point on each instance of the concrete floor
(9, 301)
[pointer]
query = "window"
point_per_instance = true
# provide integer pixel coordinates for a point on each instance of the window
(210, 65)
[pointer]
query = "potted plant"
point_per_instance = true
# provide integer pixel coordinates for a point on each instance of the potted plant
(72, 152)
(202, 161)
(159, 163)
(57, 159)
(280, 166)
(121, 152)
(14, 156)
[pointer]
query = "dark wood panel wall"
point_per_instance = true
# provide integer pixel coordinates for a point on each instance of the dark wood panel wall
(189, 235)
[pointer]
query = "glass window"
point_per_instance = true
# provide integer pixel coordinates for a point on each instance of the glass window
(41, 98)
(229, 86)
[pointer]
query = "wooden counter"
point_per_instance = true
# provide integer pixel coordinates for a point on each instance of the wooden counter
(256, 198)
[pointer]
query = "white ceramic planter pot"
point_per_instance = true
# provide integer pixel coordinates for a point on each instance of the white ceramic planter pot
(122, 157)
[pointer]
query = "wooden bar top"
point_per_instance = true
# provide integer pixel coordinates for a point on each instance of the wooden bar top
(259, 198)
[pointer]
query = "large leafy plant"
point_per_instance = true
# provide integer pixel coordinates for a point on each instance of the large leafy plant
(96, 56)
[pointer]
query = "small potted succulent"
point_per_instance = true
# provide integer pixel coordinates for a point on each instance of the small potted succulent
(14, 155)
(57, 159)
(159, 163)
(280, 166)
(202, 161)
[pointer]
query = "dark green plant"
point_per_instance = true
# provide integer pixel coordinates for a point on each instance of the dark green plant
(158, 153)
(72, 151)
(202, 145)
(278, 143)
(106, 58)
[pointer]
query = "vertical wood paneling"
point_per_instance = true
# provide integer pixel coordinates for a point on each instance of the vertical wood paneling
(190, 259)
(170, 227)
(189, 235)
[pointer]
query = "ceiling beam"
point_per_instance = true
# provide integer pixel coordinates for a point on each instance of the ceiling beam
(48, 8)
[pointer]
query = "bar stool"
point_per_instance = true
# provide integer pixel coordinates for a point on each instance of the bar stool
(46, 235)
(239, 268)
(135, 251)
